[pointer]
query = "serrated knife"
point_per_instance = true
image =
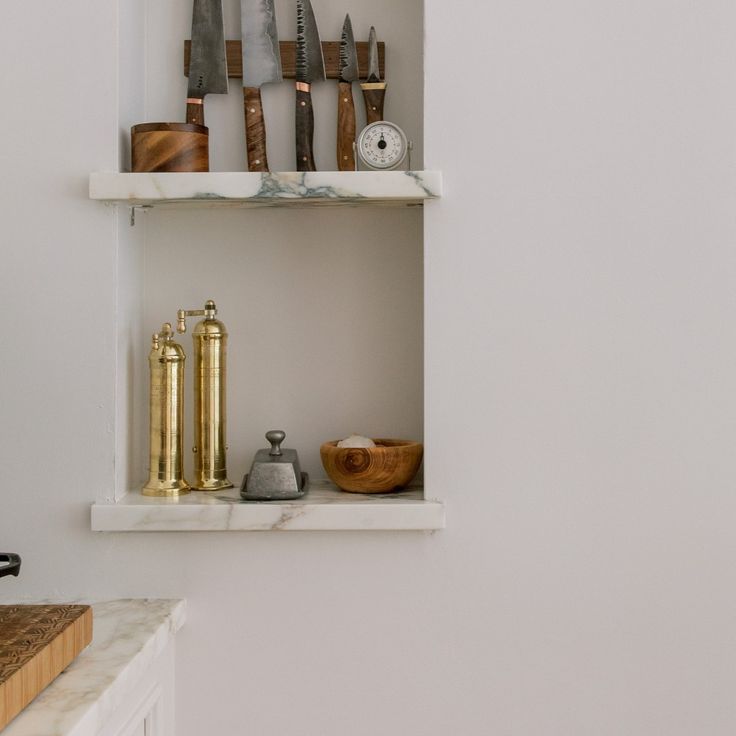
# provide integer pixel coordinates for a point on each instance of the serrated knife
(374, 90)
(261, 65)
(207, 61)
(310, 67)
(348, 71)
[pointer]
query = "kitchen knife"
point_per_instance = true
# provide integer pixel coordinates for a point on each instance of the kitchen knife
(310, 67)
(374, 90)
(348, 70)
(208, 62)
(261, 65)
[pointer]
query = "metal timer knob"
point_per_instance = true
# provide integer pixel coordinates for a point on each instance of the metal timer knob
(210, 351)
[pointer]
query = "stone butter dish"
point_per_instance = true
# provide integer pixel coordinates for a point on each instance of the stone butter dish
(275, 474)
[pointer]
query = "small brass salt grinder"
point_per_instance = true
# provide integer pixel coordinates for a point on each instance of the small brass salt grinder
(210, 351)
(166, 407)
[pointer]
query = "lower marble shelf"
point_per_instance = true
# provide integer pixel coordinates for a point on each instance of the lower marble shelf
(324, 508)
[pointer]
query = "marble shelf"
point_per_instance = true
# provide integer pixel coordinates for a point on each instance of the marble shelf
(323, 508)
(285, 188)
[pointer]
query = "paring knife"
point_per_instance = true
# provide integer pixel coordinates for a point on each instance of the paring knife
(261, 65)
(208, 61)
(374, 90)
(310, 67)
(348, 69)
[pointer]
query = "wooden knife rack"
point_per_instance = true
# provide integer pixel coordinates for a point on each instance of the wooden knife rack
(330, 50)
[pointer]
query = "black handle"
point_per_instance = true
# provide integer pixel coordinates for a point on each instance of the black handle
(304, 128)
(13, 566)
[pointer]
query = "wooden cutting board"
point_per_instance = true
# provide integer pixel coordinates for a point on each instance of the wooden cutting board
(36, 644)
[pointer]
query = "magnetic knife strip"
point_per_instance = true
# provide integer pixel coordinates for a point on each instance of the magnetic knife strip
(330, 49)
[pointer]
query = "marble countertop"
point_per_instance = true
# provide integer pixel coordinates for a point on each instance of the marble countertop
(128, 636)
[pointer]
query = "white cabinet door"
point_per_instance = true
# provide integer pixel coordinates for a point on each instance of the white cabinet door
(137, 730)
(148, 710)
(144, 718)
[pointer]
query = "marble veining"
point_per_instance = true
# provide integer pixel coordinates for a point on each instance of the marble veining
(322, 508)
(286, 187)
(128, 637)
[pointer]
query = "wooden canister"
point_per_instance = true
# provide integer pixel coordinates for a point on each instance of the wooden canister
(170, 147)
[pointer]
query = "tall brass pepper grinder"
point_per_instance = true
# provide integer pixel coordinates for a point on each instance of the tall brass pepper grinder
(210, 349)
(166, 435)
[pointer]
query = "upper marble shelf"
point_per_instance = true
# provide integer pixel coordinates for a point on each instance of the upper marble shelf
(276, 188)
(323, 508)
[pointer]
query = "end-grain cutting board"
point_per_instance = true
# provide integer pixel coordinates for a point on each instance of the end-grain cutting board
(36, 644)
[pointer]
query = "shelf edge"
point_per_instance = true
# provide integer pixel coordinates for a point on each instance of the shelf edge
(373, 516)
(286, 187)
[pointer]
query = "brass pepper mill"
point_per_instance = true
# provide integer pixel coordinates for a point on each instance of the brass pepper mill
(210, 348)
(166, 468)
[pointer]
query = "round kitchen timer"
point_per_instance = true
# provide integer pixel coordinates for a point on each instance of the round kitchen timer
(382, 146)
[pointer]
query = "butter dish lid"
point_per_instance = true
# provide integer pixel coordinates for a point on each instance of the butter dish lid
(275, 473)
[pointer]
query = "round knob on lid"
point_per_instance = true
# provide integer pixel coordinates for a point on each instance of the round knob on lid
(275, 437)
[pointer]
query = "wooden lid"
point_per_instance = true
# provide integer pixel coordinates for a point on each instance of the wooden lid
(170, 127)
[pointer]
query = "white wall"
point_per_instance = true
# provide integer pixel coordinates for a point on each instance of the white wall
(579, 396)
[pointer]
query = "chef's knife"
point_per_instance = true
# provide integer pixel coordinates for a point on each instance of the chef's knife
(261, 65)
(208, 62)
(348, 68)
(310, 67)
(374, 90)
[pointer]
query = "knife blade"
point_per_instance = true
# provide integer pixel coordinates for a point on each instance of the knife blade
(348, 71)
(310, 67)
(374, 90)
(261, 65)
(208, 61)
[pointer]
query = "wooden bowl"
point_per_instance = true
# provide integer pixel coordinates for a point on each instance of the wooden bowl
(390, 466)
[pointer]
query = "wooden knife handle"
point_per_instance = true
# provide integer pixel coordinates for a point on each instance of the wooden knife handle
(255, 129)
(195, 113)
(373, 94)
(345, 127)
(304, 128)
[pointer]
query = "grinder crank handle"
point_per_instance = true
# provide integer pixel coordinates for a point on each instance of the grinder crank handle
(304, 128)
(373, 94)
(345, 127)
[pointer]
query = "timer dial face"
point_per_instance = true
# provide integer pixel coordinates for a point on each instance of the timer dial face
(382, 145)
